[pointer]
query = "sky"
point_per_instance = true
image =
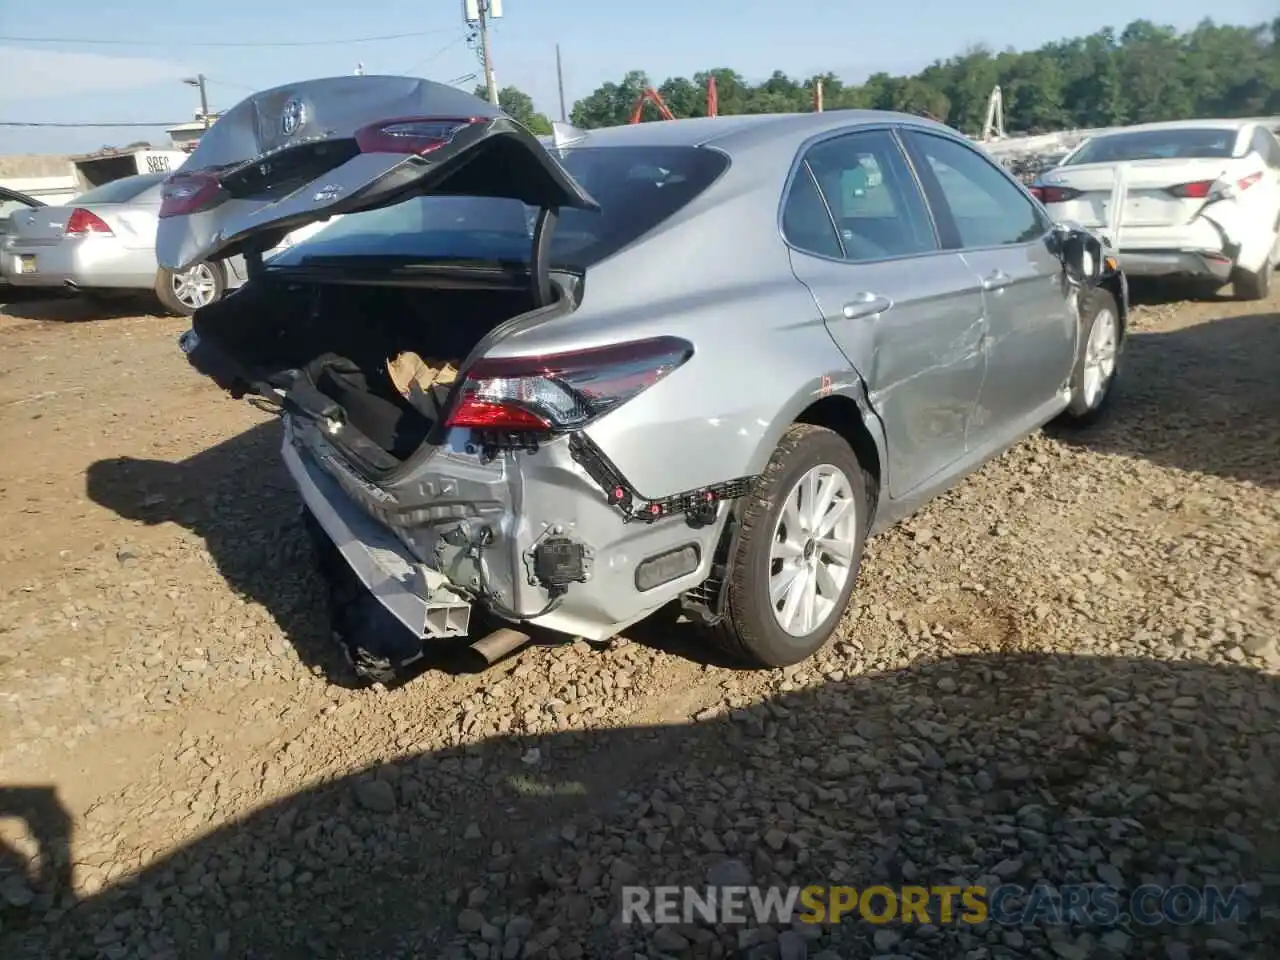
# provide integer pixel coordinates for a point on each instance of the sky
(137, 75)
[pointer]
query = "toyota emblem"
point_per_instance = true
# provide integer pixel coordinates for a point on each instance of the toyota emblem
(294, 116)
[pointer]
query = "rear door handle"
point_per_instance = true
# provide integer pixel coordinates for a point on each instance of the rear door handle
(866, 305)
(996, 280)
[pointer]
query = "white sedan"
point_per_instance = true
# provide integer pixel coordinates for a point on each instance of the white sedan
(1194, 200)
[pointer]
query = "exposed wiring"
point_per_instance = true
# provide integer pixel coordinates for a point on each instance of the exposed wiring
(490, 597)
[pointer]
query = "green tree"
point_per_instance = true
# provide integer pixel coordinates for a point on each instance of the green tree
(518, 105)
(1145, 72)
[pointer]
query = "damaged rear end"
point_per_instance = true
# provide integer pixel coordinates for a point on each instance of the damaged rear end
(1174, 202)
(440, 476)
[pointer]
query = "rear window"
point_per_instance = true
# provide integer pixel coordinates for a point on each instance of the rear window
(119, 191)
(637, 189)
(1194, 143)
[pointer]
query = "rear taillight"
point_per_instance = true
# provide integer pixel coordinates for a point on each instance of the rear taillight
(1244, 183)
(184, 193)
(1048, 195)
(83, 223)
(562, 391)
(1197, 190)
(416, 135)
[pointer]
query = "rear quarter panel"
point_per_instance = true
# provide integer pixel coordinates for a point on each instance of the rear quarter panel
(717, 275)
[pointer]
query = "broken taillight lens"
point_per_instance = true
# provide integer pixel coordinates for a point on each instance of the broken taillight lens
(562, 391)
(84, 222)
(1047, 195)
(1197, 190)
(416, 135)
(184, 193)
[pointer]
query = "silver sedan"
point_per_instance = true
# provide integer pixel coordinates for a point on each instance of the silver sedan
(104, 242)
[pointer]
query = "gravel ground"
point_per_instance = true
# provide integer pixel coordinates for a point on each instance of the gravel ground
(1065, 670)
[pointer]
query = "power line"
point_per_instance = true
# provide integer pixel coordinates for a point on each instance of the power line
(112, 123)
(433, 56)
(214, 43)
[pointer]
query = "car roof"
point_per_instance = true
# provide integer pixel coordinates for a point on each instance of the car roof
(743, 131)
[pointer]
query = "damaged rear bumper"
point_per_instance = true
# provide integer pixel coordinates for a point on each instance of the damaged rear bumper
(1193, 264)
(416, 543)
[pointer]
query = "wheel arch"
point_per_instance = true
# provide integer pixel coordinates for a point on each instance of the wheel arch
(839, 402)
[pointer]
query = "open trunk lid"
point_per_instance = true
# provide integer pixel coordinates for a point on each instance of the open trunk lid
(308, 151)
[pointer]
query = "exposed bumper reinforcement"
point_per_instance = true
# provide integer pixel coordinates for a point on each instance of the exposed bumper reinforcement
(419, 597)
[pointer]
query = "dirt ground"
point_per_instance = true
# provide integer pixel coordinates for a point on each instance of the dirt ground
(1064, 670)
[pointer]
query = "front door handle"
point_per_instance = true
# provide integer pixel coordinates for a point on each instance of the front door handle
(866, 305)
(996, 280)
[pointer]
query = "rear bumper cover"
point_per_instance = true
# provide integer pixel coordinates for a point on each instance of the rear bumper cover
(93, 263)
(1198, 264)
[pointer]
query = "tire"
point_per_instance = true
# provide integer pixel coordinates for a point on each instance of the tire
(1253, 286)
(170, 288)
(1090, 397)
(751, 631)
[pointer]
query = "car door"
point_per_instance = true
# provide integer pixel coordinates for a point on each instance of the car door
(1268, 148)
(906, 314)
(1001, 232)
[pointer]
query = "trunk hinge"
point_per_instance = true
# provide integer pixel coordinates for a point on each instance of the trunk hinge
(253, 261)
(540, 262)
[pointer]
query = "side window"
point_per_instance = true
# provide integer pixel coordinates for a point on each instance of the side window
(868, 186)
(986, 208)
(805, 221)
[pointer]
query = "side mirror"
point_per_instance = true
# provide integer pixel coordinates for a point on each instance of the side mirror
(1082, 255)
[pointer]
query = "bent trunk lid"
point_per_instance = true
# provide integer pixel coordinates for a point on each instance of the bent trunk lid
(308, 151)
(1147, 201)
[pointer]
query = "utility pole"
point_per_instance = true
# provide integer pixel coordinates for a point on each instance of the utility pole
(564, 117)
(486, 55)
(198, 81)
(479, 13)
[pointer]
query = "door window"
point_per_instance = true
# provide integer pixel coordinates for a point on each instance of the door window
(870, 195)
(985, 206)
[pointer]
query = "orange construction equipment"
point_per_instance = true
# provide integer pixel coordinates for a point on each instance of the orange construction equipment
(652, 96)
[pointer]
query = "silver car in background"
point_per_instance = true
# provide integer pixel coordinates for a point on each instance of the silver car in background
(697, 360)
(12, 202)
(103, 242)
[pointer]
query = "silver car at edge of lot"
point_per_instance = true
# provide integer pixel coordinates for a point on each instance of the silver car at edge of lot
(11, 202)
(698, 360)
(103, 242)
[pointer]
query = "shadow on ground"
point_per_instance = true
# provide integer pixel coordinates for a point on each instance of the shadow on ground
(963, 771)
(58, 307)
(1203, 398)
(238, 497)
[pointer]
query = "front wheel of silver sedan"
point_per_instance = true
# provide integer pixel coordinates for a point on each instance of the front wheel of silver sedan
(186, 292)
(797, 551)
(1097, 359)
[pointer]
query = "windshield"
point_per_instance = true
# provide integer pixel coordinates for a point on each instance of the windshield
(637, 188)
(119, 191)
(1186, 144)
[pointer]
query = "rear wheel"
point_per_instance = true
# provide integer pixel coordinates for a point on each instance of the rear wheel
(1097, 360)
(1253, 286)
(797, 551)
(198, 286)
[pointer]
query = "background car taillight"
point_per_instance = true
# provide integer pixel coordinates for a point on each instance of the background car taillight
(1048, 195)
(1196, 190)
(562, 391)
(184, 193)
(417, 135)
(84, 222)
